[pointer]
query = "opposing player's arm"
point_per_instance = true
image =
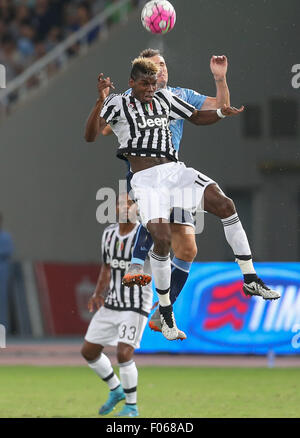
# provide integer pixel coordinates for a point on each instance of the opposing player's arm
(209, 117)
(218, 67)
(183, 110)
(101, 288)
(96, 124)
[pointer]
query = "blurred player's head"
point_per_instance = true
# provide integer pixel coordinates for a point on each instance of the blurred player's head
(156, 57)
(143, 79)
(126, 209)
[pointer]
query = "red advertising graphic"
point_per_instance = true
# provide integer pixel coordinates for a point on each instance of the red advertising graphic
(64, 290)
(226, 301)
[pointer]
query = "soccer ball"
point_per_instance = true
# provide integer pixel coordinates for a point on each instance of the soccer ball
(158, 16)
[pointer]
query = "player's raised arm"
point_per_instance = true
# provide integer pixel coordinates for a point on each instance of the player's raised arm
(218, 67)
(96, 124)
(210, 116)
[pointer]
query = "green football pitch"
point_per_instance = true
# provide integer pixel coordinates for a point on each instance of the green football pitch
(175, 392)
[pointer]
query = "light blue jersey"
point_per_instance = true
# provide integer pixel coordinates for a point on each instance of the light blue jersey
(191, 97)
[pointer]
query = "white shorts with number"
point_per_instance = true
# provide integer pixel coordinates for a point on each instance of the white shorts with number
(109, 327)
(161, 188)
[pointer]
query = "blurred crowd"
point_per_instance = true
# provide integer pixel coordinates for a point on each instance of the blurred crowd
(31, 28)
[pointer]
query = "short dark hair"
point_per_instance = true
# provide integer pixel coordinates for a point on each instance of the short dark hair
(142, 66)
(149, 53)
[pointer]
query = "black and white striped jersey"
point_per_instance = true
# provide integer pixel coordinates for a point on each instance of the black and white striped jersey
(143, 128)
(116, 251)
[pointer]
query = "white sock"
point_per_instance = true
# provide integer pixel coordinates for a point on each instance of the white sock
(161, 270)
(129, 380)
(237, 239)
(246, 266)
(102, 367)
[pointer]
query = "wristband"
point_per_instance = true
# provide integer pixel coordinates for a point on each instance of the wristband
(220, 114)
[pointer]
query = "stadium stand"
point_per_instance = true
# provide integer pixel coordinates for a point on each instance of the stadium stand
(30, 29)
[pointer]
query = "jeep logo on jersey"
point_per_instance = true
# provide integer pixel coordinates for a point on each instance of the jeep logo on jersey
(119, 264)
(152, 122)
(225, 317)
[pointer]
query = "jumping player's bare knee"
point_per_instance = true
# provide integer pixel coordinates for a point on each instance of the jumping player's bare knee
(186, 252)
(161, 235)
(183, 242)
(162, 246)
(185, 249)
(226, 208)
(217, 203)
(90, 352)
(124, 352)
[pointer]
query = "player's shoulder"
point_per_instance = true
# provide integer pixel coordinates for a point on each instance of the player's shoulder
(136, 228)
(178, 91)
(164, 95)
(163, 91)
(184, 93)
(110, 229)
(127, 92)
(112, 99)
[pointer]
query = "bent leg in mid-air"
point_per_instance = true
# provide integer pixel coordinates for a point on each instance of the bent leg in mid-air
(217, 203)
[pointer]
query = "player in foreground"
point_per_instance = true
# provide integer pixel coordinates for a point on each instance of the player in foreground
(141, 122)
(215, 202)
(121, 316)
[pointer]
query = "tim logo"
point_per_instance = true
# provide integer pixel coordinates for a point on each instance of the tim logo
(152, 122)
(227, 306)
(2, 336)
(225, 316)
(2, 76)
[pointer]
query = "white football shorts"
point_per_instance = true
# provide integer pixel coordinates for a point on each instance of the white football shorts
(109, 327)
(161, 188)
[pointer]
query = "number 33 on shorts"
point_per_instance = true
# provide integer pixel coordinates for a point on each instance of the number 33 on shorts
(127, 332)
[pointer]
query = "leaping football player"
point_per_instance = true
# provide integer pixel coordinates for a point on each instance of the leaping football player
(215, 202)
(141, 122)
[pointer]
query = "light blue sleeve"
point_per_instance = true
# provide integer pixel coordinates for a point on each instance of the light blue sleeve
(194, 98)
